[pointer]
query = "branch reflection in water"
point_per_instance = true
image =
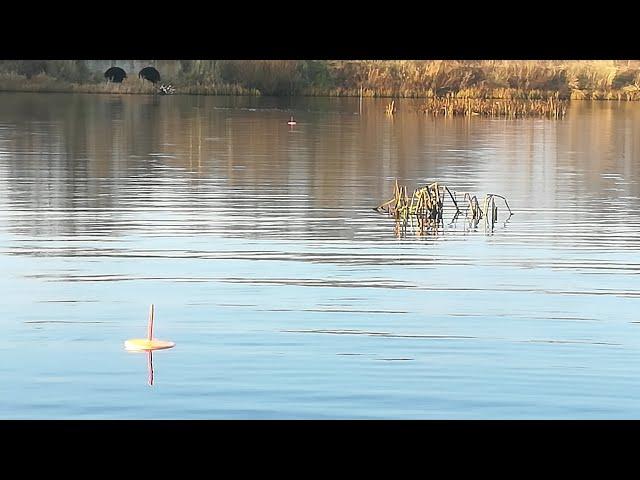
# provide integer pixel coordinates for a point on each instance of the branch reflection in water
(149, 363)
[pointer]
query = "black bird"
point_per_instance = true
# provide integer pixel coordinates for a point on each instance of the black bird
(150, 74)
(115, 75)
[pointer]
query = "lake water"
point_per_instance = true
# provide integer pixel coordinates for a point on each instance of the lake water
(286, 294)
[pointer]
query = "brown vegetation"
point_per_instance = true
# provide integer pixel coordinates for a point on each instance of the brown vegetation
(11, 82)
(476, 79)
(450, 106)
(426, 208)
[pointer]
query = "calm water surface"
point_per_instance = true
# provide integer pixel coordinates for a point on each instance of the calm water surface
(286, 294)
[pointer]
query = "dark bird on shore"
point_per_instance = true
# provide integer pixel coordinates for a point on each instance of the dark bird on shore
(150, 74)
(115, 75)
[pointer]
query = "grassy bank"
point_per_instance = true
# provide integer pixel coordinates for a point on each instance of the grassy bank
(475, 79)
(11, 82)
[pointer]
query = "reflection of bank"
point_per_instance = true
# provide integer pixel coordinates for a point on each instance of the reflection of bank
(148, 344)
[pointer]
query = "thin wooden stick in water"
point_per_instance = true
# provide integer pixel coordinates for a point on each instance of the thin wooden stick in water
(150, 329)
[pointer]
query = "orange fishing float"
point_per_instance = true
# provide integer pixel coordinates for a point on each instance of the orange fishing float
(149, 343)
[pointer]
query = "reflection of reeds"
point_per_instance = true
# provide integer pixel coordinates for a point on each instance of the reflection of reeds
(452, 106)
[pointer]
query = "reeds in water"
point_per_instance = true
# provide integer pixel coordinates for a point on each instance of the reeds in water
(426, 208)
(488, 212)
(450, 106)
(391, 109)
(426, 205)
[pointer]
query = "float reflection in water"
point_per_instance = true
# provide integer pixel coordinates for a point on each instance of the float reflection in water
(148, 344)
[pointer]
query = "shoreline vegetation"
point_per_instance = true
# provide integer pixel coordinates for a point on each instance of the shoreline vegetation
(434, 80)
(42, 83)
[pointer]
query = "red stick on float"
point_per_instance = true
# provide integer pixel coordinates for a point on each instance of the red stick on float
(150, 327)
(149, 343)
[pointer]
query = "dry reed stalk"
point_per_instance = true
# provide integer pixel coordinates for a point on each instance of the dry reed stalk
(426, 207)
(426, 204)
(451, 106)
(473, 207)
(390, 110)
